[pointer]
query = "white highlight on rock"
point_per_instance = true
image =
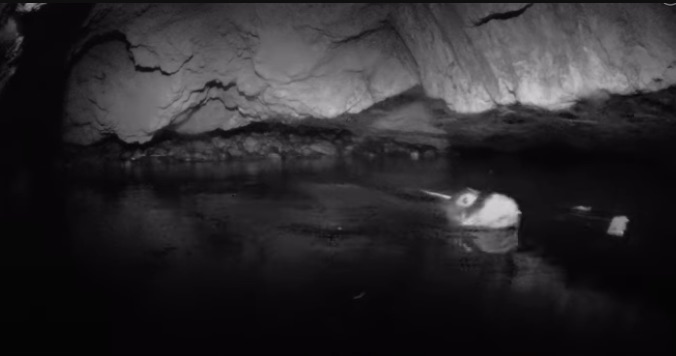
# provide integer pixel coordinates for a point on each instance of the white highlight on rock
(618, 225)
(498, 212)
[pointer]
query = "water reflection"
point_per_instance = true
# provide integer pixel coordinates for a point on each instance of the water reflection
(300, 239)
(496, 241)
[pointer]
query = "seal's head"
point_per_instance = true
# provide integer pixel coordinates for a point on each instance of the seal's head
(473, 209)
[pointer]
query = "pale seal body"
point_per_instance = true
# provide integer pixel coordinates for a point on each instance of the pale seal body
(471, 208)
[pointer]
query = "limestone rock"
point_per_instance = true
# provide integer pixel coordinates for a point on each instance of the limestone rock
(414, 117)
(202, 67)
(107, 94)
(259, 61)
(475, 56)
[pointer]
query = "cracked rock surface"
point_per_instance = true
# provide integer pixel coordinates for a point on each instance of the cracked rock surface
(192, 68)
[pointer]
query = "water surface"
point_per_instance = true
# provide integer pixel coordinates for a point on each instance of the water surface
(327, 256)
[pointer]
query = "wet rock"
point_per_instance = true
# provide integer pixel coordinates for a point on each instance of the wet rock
(324, 148)
(223, 156)
(159, 152)
(181, 153)
(251, 145)
(219, 142)
(429, 154)
(294, 139)
(389, 148)
(235, 152)
(131, 155)
(273, 143)
(304, 151)
(200, 157)
(415, 117)
(200, 146)
(274, 156)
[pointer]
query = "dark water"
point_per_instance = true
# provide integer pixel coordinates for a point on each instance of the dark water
(325, 257)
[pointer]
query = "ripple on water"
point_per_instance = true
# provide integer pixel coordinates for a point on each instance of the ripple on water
(300, 241)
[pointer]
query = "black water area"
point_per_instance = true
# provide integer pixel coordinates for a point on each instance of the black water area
(330, 256)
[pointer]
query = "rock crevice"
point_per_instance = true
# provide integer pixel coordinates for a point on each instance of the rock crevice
(502, 15)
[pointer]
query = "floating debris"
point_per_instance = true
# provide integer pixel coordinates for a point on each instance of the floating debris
(582, 208)
(618, 226)
(359, 296)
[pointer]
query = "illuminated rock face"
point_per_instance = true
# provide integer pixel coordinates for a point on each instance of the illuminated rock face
(196, 68)
(476, 55)
(220, 66)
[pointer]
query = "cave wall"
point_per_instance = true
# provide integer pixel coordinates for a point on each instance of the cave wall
(547, 55)
(195, 68)
(11, 38)
(202, 67)
(10, 44)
